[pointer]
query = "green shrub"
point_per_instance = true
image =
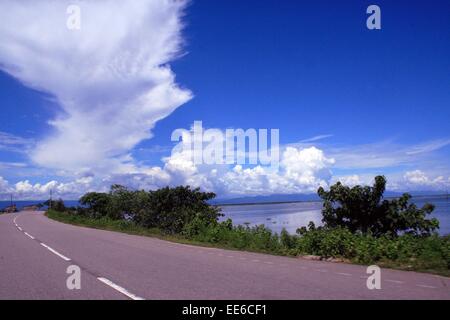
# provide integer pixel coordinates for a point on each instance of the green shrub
(362, 209)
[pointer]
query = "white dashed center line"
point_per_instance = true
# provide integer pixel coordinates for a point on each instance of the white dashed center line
(120, 289)
(344, 274)
(29, 235)
(394, 281)
(320, 270)
(426, 286)
(55, 252)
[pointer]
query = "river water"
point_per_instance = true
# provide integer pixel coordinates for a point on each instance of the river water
(294, 215)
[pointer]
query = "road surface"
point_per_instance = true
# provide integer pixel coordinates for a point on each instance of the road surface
(35, 253)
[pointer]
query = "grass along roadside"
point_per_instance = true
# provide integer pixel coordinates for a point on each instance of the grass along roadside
(423, 255)
(129, 227)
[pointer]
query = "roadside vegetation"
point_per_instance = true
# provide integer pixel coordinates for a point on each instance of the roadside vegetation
(359, 226)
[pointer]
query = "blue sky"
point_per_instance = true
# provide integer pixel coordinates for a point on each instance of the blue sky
(351, 102)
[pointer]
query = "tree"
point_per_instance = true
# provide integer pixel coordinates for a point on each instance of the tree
(120, 202)
(97, 203)
(362, 209)
(170, 209)
(57, 205)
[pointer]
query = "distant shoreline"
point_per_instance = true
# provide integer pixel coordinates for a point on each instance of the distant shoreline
(262, 202)
(318, 200)
(438, 196)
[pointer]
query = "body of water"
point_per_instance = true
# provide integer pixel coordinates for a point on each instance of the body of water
(294, 215)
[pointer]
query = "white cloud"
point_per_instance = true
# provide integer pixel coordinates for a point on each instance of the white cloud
(307, 166)
(351, 180)
(420, 180)
(385, 154)
(416, 177)
(316, 138)
(428, 146)
(4, 186)
(111, 78)
(25, 190)
(301, 170)
(13, 143)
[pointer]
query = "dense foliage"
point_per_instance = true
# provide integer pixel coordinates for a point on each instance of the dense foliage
(57, 205)
(362, 209)
(168, 209)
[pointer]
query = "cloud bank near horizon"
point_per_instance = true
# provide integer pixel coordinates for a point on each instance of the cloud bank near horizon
(238, 182)
(302, 169)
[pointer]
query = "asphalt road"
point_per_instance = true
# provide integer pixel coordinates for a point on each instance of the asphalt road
(35, 253)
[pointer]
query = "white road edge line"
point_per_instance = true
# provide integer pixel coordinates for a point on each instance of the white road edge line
(19, 228)
(29, 235)
(119, 288)
(55, 252)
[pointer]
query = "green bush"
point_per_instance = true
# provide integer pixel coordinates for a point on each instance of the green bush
(57, 205)
(362, 209)
(257, 238)
(168, 209)
(422, 253)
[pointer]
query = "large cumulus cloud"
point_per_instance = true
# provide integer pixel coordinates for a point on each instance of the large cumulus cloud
(111, 78)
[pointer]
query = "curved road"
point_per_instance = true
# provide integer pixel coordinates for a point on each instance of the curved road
(35, 253)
